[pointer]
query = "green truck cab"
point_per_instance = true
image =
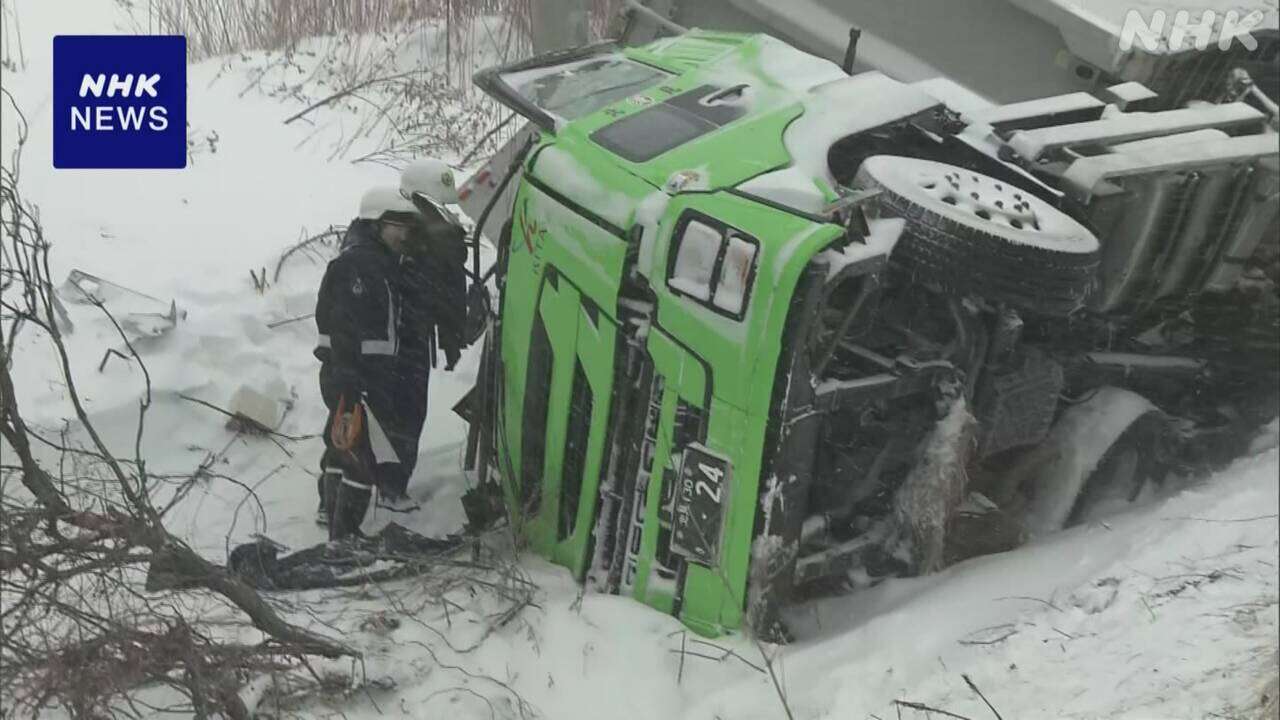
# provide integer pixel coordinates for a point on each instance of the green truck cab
(740, 291)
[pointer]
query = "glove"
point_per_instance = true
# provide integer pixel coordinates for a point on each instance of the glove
(451, 357)
(347, 425)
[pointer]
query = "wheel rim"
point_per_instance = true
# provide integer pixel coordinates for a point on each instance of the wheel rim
(982, 197)
(980, 201)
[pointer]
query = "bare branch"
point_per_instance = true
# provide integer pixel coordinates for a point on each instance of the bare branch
(345, 92)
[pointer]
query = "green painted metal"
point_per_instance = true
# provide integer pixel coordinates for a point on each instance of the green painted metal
(572, 235)
(696, 59)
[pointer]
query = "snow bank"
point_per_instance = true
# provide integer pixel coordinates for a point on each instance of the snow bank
(1168, 611)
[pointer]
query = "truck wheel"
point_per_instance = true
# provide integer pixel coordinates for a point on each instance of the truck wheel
(1134, 463)
(973, 234)
(1085, 462)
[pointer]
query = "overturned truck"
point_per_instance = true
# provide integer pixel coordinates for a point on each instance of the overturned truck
(765, 329)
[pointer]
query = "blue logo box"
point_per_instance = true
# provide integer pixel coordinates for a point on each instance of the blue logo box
(119, 101)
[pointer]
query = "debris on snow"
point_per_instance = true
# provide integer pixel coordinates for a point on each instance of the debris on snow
(139, 314)
(258, 407)
(1096, 597)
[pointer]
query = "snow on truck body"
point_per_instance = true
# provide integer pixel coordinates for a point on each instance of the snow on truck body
(729, 315)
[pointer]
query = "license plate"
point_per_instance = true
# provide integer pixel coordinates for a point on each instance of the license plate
(699, 505)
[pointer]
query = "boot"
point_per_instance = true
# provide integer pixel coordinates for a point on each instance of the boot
(329, 495)
(348, 508)
(397, 503)
(322, 483)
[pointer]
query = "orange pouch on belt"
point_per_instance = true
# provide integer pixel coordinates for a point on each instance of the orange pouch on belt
(347, 425)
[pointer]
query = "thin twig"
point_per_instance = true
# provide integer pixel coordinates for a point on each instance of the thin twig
(1228, 520)
(729, 652)
(1028, 597)
(345, 92)
(926, 709)
(254, 424)
(974, 687)
(684, 636)
(333, 231)
(286, 321)
(1147, 605)
(1013, 630)
(480, 143)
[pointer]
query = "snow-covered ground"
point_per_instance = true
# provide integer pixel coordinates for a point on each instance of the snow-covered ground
(1168, 611)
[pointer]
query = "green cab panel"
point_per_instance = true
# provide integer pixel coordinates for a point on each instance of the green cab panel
(741, 358)
(558, 335)
(601, 225)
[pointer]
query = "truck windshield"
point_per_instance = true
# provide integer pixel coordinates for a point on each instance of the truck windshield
(575, 89)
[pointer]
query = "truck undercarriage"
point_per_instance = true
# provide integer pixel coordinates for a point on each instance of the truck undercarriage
(894, 364)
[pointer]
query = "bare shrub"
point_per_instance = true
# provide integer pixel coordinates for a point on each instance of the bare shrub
(86, 619)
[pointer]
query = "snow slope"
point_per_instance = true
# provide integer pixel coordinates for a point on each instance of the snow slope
(1167, 611)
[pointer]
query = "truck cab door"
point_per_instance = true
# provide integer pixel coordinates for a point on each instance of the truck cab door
(724, 270)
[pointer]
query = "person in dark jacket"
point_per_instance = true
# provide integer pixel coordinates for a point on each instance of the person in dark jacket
(438, 271)
(414, 247)
(362, 334)
(434, 304)
(434, 292)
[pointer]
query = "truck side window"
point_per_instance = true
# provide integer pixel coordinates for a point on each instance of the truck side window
(696, 260)
(712, 264)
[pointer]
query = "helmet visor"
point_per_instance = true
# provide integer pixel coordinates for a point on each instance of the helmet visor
(431, 208)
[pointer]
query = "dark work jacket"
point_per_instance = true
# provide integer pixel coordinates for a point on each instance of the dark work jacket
(359, 317)
(435, 289)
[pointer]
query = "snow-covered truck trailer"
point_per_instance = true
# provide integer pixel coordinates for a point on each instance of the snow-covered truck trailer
(1091, 372)
(1011, 50)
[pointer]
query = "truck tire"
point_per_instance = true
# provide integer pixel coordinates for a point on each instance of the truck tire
(970, 233)
(1080, 465)
(1134, 462)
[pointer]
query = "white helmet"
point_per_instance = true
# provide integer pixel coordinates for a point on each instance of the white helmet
(379, 201)
(430, 178)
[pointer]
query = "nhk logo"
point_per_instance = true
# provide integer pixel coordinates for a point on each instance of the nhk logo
(120, 101)
(108, 117)
(1174, 31)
